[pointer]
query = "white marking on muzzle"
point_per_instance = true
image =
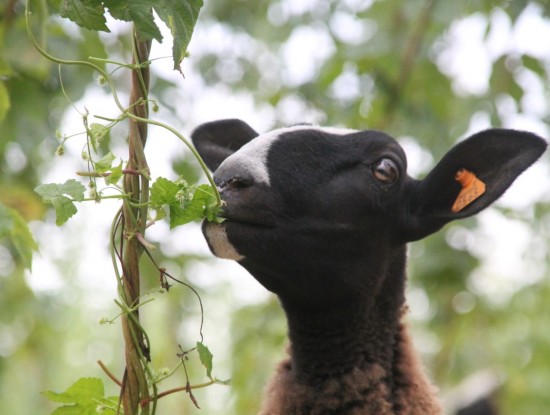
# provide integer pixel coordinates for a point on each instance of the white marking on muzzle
(219, 243)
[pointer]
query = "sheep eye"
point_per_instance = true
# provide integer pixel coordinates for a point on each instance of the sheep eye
(386, 171)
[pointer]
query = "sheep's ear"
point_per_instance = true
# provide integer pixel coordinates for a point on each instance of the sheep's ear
(493, 159)
(217, 140)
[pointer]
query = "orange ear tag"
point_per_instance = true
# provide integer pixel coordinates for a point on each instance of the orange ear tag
(472, 188)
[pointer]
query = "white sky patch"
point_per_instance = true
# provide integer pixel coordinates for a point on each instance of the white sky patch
(45, 277)
(533, 100)
(478, 122)
(307, 48)
(347, 87)
(419, 161)
(514, 118)
(468, 52)
(293, 109)
(506, 267)
(465, 59)
(348, 28)
(499, 36)
(531, 186)
(531, 33)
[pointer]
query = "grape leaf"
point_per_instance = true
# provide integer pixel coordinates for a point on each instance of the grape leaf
(202, 205)
(105, 163)
(185, 203)
(55, 194)
(84, 397)
(85, 13)
(83, 389)
(116, 174)
(205, 357)
(206, 195)
(180, 16)
(119, 9)
(163, 192)
(141, 13)
(97, 133)
(71, 188)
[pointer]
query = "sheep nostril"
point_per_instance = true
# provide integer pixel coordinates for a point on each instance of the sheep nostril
(235, 183)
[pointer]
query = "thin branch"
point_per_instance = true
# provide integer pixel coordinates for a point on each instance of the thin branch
(109, 373)
(131, 172)
(409, 55)
(164, 284)
(180, 389)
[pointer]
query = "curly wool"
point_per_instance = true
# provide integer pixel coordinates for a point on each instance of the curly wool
(369, 390)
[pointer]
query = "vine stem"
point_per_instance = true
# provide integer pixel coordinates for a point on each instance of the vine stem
(134, 218)
(139, 67)
(182, 389)
(190, 147)
(109, 373)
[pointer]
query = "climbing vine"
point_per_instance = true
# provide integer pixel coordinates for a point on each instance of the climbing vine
(143, 202)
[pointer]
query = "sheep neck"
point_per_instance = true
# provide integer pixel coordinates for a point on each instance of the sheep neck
(358, 333)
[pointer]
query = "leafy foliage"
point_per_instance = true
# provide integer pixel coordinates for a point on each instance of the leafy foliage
(180, 16)
(206, 358)
(185, 203)
(62, 197)
(85, 397)
(85, 13)
(14, 228)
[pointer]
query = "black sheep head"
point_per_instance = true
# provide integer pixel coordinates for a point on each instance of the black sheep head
(314, 214)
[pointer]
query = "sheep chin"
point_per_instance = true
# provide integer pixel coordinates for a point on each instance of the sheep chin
(218, 242)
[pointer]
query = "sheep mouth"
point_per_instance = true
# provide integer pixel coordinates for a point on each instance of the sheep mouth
(247, 214)
(246, 222)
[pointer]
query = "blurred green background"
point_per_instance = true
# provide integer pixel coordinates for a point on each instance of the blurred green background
(426, 72)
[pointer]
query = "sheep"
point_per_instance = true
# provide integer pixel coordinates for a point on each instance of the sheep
(321, 217)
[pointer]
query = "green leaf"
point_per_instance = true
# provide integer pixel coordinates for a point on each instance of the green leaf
(163, 191)
(71, 188)
(119, 9)
(97, 133)
(54, 193)
(64, 209)
(84, 389)
(206, 358)
(207, 196)
(116, 174)
(185, 203)
(199, 207)
(5, 102)
(85, 13)
(180, 16)
(180, 216)
(6, 221)
(105, 163)
(84, 397)
(14, 227)
(69, 410)
(533, 64)
(142, 15)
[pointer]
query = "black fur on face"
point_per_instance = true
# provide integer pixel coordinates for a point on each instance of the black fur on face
(308, 209)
